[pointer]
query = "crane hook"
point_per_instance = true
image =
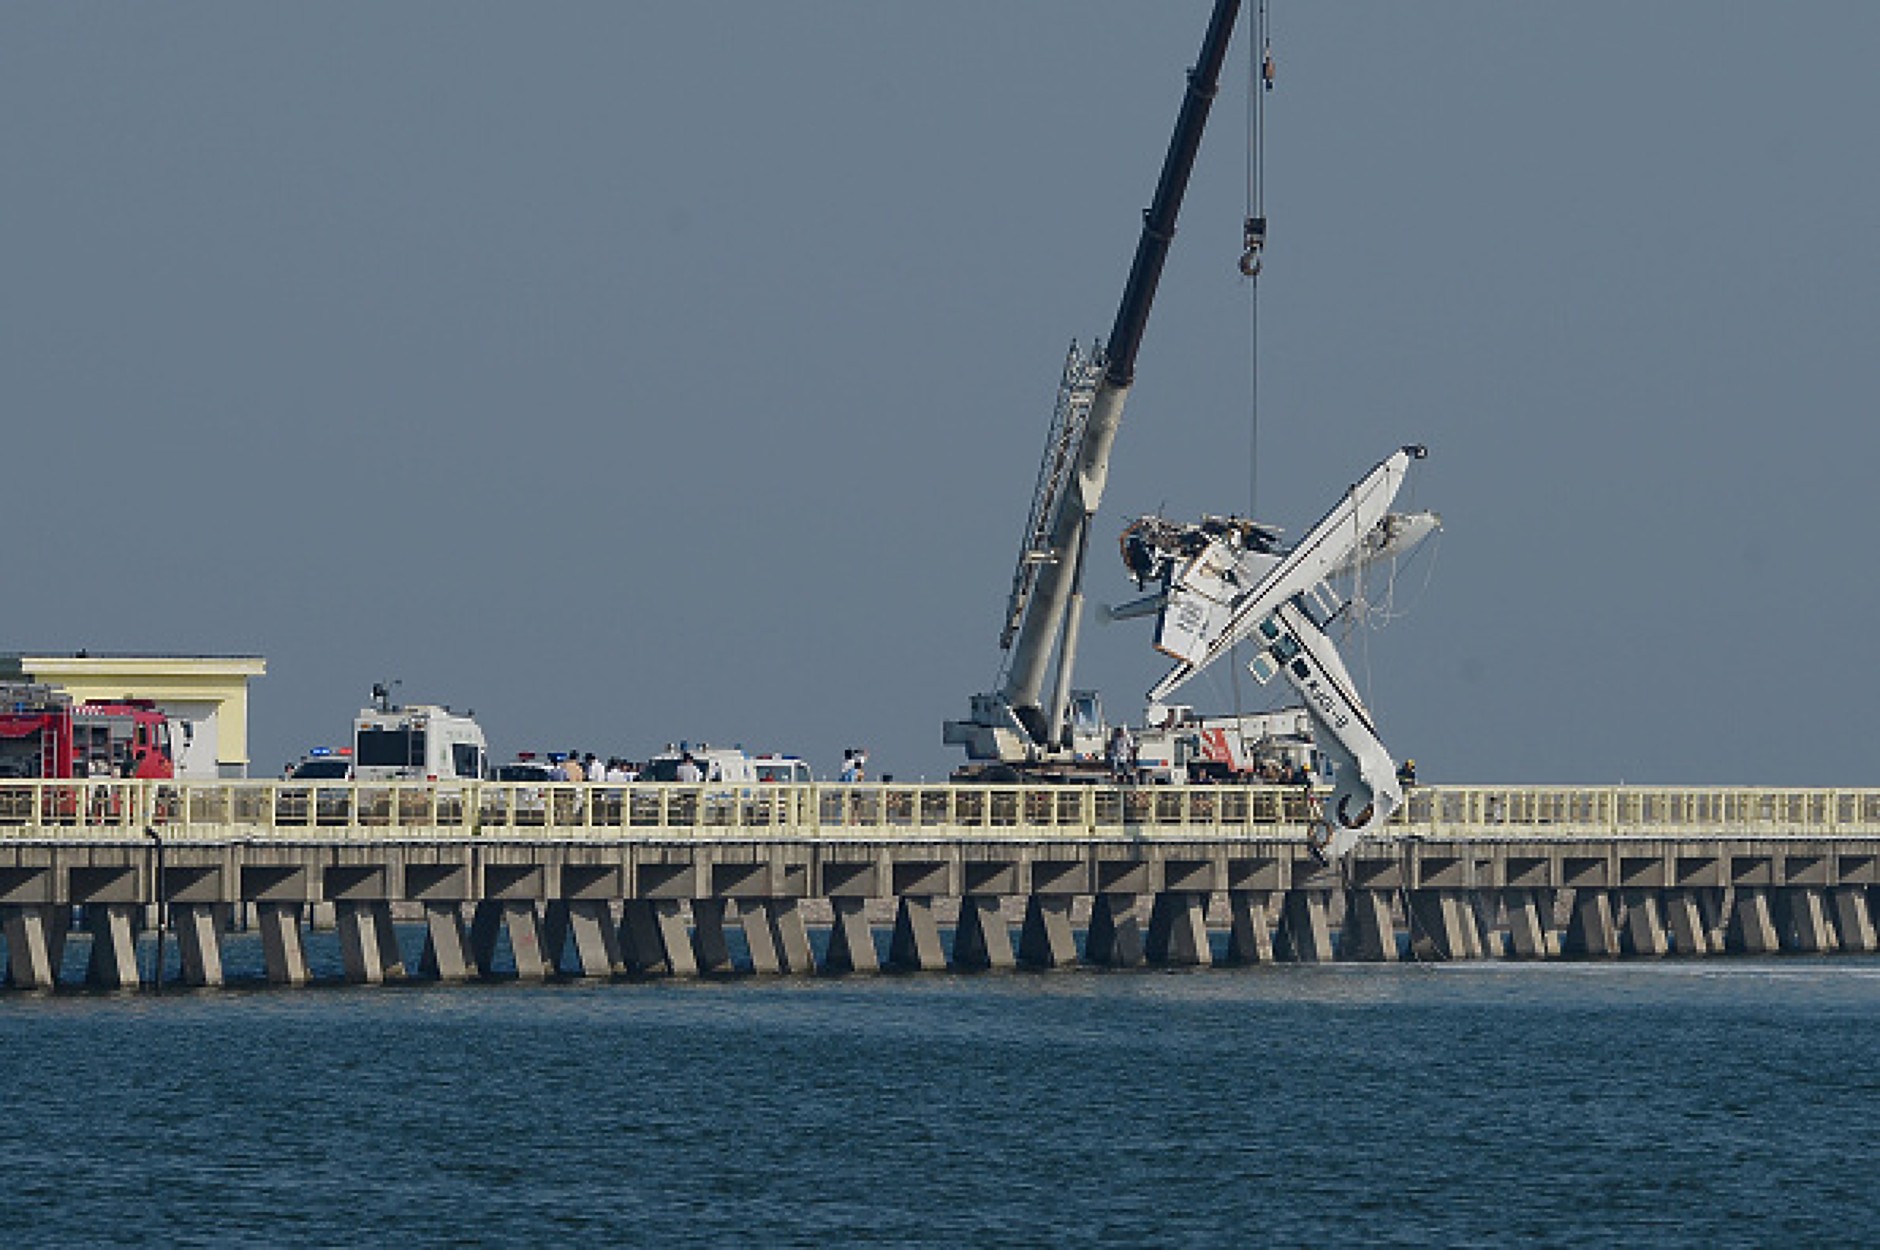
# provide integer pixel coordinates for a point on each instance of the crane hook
(1255, 245)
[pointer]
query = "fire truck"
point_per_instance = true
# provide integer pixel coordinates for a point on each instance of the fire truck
(43, 733)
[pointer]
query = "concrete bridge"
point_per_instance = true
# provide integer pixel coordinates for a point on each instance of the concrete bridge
(647, 879)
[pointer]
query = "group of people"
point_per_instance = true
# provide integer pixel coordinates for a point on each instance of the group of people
(854, 765)
(576, 767)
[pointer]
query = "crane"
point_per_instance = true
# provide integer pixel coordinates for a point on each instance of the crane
(1013, 726)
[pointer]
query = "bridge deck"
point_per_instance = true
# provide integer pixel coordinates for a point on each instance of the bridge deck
(602, 880)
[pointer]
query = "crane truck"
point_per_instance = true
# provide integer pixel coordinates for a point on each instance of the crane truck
(1220, 583)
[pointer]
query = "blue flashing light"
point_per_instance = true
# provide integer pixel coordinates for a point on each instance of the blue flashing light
(321, 751)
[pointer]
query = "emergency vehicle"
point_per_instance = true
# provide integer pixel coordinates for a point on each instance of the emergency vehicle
(423, 742)
(44, 734)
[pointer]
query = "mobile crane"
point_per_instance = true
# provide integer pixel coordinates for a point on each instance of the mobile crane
(1220, 582)
(1012, 728)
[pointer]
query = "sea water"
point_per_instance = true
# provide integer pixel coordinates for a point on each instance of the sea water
(1700, 1102)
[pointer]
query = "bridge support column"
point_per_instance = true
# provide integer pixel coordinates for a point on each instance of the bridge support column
(1485, 908)
(708, 936)
(982, 939)
(916, 943)
(198, 943)
(1370, 933)
(281, 947)
(1442, 925)
(654, 939)
(596, 942)
(446, 943)
(792, 934)
(851, 941)
(1752, 929)
(1690, 935)
(1114, 939)
(113, 945)
(758, 938)
(1803, 914)
(1178, 929)
(1591, 933)
(1853, 918)
(1046, 940)
(32, 937)
(1527, 928)
(1305, 931)
(1250, 937)
(368, 942)
(1644, 925)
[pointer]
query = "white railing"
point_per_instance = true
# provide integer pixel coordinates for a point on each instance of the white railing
(290, 811)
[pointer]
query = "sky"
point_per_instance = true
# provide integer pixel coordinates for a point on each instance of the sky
(632, 373)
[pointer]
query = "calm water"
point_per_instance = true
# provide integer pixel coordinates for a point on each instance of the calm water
(1721, 1102)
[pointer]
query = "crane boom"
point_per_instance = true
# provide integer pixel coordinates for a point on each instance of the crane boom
(1047, 620)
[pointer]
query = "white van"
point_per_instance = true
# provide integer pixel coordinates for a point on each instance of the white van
(424, 742)
(717, 767)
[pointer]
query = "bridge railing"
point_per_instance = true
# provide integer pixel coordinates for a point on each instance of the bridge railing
(286, 810)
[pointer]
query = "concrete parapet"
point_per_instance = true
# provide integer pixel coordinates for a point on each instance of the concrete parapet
(113, 962)
(1305, 930)
(1250, 926)
(1370, 934)
(851, 941)
(982, 939)
(1114, 939)
(1853, 918)
(1178, 929)
(915, 946)
(1046, 941)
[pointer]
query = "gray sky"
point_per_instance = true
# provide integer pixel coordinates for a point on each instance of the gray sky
(631, 372)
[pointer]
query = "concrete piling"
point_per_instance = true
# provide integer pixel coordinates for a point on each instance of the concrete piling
(1441, 926)
(1853, 918)
(1178, 930)
(851, 941)
(1305, 931)
(1802, 913)
(446, 954)
(1684, 917)
(281, 948)
(787, 925)
(198, 943)
(113, 962)
(1591, 933)
(367, 941)
(1046, 941)
(1250, 931)
(30, 945)
(1644, 934)
(1370, 934)
(1752, 928)
(709, 948)
(1114, 939)
(915, 946)
(982, 939)
(1527, 923)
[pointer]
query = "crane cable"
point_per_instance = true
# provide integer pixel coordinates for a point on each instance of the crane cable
(1260, 77)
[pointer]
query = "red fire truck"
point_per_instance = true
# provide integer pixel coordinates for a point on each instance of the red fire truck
(44, 734)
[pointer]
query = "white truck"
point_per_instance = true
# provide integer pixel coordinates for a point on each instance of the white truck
(422, 742)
